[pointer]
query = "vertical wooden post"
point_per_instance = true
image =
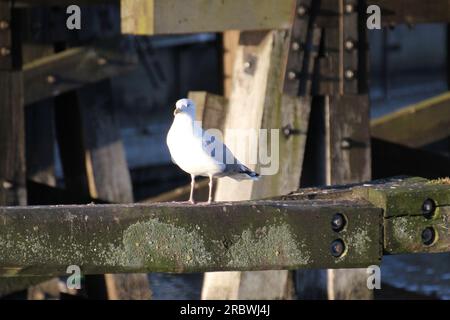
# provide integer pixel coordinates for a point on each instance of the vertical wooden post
(12, 120)
(338, 150)
(256, 102)
(12, 126)
(94, 165)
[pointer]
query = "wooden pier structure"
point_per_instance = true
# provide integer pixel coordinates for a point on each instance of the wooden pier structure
(300, 66)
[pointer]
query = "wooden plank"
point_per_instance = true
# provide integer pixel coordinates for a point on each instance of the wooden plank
(12, 140)
(72, 69)
(5, 37)
(211, 109)
(40, 126)
(230, 44)
(148, 17)
(258, 68)
(108, 173)
(62, 2)
(171, 237)
(416, 125)
(106, 165)
(94, 165)
(285, 232)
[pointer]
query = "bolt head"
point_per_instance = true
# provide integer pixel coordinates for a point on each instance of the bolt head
(4, 51)
(51, 79)
(337, 248)
(428, 208)
(7, 185)
(349, 8)
(301, 10)
(428, 236)
(346, 143)
(4, 25)
(349, 45)
(101, 61)
(292, 75)
(349, 74)
(247, 64)
(338, 222)
(295, 46)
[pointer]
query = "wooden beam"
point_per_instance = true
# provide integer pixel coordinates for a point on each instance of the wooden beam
(258, 69)
(148, 17)
(288, 232)
(416, 125)
(179, 238)
(72, 69)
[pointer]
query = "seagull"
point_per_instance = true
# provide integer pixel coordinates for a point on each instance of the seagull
(201, 153)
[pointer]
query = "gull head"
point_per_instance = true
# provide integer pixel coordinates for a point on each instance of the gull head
(186, 106)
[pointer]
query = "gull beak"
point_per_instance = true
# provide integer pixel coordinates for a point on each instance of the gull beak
(176, 111)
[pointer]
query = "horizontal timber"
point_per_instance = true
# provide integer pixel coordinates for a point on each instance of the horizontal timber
(288, 232)
(148, 17)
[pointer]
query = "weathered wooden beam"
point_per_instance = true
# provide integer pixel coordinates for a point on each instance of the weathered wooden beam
(72, 69)
(148, 17)
(61, 2)
(292, 231)
(180, 238)
(417, 125)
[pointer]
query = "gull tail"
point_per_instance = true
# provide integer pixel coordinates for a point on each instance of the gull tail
(244, 173)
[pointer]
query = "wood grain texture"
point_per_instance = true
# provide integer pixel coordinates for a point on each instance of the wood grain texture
(256, 102)
(147, 17)
(12, 139)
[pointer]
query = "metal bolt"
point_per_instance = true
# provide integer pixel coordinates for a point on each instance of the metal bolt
(428, 236)
(349, 45)
(4, 51)
(101, 61)
(301, 10)
(346, 143)
(349, 74)
(7, 185)
(337, 248)
(338, 222)
(51, 79)
(349, 8)
(292, 75)
(247, 64)
(295, 46)
(4, 25)
(428, 208)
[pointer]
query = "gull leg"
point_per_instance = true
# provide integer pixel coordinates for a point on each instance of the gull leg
(210, 188)
(191, 197)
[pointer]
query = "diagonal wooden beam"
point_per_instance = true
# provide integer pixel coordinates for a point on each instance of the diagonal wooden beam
(416, 125)
(72, 69)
